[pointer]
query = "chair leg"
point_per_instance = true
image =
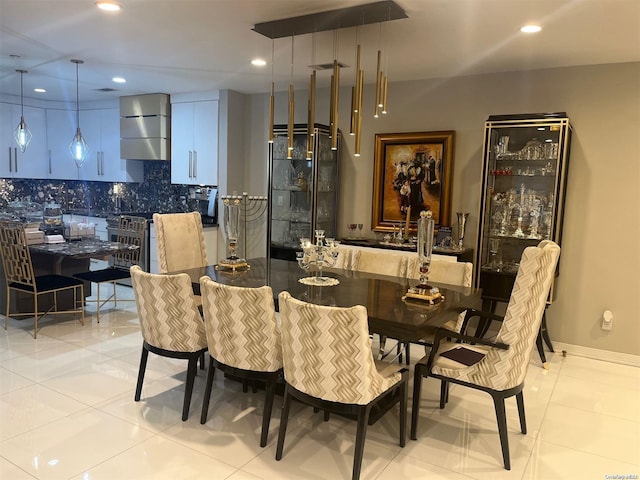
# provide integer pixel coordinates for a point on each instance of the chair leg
(444, 393)
(498, 403)
(141, 370)
(207, 392)
(192, 369)
(540, 347)
(284, 419)
(6, 317)
(545, 332)
(415, 408)
(361, 432)
(115, 294)
(383, 340)
(403, 414)
(327, 415)
(270, 393)
(35, 318)
(202, 361)
(407, 352)
(98, 303)
(523, 419)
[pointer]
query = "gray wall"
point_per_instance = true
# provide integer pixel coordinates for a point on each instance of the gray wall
(600, 257)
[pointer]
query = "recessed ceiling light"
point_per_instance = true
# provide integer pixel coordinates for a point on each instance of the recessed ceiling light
(530, 28)
(39, 90)
(109, 6)
(258, 62)
(119, 80)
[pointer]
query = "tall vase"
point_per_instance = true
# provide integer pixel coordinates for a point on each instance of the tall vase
(231, 228)
(462, 225)
(425, 245)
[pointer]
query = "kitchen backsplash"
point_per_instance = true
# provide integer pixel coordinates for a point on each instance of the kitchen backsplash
(156, 194)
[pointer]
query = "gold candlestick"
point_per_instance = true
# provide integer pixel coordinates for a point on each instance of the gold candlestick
(407, 222)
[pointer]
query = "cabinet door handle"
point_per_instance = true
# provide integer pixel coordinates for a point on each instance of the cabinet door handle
(190, 164)
(10, 159)
(195, 164)
(49, 161)
(98, 162)
(102, 162)
(15, 158)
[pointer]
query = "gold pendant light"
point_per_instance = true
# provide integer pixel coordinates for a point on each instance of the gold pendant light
(311, 118)
(22, 133)
(291, 109)
(335, 88)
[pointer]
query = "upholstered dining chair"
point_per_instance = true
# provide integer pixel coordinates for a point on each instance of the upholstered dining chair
(496, 367)
(380, 263)
(243, 338)
(20, 277)
(442, 271)
(451, 273)
(179, 241)
(329, 365)
(170, 323)
(131, 231)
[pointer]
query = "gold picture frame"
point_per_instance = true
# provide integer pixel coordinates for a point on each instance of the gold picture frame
(412, 172)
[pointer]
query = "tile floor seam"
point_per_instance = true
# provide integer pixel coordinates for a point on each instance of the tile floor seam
(595, 413)
(17, 466)
(588, 452)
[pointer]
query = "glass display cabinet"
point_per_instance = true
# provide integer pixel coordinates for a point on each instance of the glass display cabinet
(303, 189)
(524, 186)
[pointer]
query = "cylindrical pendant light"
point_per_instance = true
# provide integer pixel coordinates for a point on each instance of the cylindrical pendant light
(22, 133)
(291, 109)
(336, 88)
(78, 146)
(378, 85)
(271, 99)
(311, 120)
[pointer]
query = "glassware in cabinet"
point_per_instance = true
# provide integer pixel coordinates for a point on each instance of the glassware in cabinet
(524, 187)
(303, 190)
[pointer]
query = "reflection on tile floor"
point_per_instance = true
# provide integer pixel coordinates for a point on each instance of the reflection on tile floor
(67, 412)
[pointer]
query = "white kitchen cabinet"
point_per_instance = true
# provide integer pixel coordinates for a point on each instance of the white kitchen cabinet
(101, 131)
(61, 127)
(194, 143)
(33, 163)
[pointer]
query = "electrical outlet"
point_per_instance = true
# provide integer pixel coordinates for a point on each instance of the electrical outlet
(607, 320)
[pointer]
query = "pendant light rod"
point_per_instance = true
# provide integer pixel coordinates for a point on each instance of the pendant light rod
(272, 97)
(77, 63)
(291, 107)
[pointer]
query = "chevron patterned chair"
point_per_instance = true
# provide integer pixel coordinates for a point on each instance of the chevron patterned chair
(498, 367)
(179, 241)
(170, 323)
(243, 338)
(379, 263)
(329, 365)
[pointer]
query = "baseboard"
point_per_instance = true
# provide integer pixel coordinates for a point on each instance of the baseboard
(597, 354)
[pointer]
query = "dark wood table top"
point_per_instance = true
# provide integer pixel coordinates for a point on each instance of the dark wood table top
(382, 295)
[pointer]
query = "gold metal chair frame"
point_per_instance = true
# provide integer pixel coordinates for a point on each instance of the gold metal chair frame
(131, 231)
(19, 275)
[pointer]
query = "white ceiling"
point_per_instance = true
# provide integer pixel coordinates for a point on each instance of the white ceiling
(200, 45)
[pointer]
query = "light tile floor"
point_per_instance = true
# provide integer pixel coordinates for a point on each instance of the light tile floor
(67, 412)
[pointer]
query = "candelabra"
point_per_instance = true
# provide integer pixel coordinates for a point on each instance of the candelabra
(236, 208)
(322, 253)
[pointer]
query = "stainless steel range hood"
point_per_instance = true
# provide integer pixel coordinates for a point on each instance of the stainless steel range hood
(145, 127)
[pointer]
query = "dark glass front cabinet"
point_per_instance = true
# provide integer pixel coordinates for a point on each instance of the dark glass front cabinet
(523, 194)
(303, 189)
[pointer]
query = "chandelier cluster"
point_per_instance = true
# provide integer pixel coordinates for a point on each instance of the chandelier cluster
(378, 12)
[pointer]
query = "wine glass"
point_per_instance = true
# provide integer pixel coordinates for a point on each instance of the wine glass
(360, 225)
(352, 228)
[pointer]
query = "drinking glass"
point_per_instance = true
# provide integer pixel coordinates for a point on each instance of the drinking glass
(352, 228)
(360, 225)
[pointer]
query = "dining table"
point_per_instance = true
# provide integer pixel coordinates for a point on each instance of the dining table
(390, 314)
